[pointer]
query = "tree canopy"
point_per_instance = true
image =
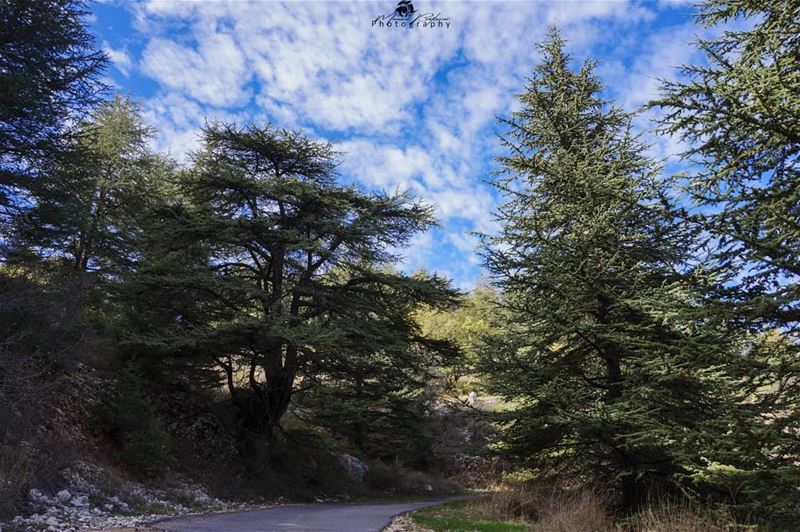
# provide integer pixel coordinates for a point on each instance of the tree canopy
(637, 332)
(50, 73)
(738, 113)
(88, 200)
(614, 368)
(270, 267)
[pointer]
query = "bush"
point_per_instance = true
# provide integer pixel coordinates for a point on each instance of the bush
(381, 477)
(37, 338)
(385, 478)
(127, 415)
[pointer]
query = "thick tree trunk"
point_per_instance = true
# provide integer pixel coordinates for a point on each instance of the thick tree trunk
(278, 390)
(630, 492)
(614, 380)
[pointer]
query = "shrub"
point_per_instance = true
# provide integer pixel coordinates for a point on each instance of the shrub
(127, 415)
(381, 477)
(37, 338)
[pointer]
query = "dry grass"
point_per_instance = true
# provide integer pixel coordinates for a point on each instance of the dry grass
(16, 472)
(667, 516)
(549, 510)
(552, 510)
(571, 511)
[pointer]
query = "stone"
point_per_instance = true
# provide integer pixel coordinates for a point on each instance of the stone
(355, 468)
(64, 495)
(80, 501)
(120, 505)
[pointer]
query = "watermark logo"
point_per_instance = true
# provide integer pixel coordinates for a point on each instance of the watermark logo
(404, 8)
(406, 16)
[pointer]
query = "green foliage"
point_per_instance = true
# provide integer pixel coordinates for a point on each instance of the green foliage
(299, 465)
(628, 355)
(49, 72)
(587, 249)
(89, 202)
(739, 116)
(128, 416)
(390, 426)
(616, 370)
(268, 274)
(377, 392)
(464, 326)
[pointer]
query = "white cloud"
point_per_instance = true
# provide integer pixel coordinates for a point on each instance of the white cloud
(412, 109)
(120, 58)
(215, 73)
(660, 54)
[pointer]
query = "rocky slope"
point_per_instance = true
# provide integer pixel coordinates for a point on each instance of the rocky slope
(87, 504)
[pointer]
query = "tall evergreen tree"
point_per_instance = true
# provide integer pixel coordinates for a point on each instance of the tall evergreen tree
(614, 371)
(49, 78)
(50, 74)
(266, 273)
(88, 203)
(740, 115)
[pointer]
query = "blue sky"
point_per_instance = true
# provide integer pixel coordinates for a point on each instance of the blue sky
(409, 108)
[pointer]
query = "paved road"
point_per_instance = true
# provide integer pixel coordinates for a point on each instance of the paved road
(305, 517)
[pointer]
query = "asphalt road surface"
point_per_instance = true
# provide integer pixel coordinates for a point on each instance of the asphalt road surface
(305, 517)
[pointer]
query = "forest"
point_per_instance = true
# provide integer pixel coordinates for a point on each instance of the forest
(241, 320)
